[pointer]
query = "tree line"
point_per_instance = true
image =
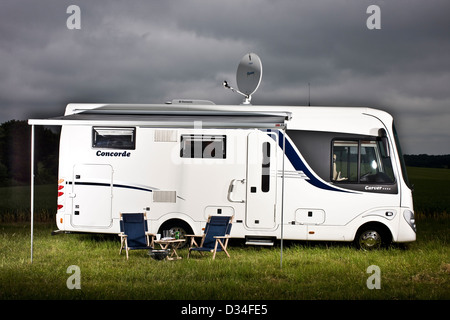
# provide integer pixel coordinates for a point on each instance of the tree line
(15, 154)
(428, 161)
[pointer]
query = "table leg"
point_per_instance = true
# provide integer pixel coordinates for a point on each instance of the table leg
(174, 252)
(173, 247)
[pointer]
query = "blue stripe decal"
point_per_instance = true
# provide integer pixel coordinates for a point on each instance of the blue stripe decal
(299, 165)
(98, 184)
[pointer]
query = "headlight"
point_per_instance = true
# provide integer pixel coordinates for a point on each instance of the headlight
(409, 217)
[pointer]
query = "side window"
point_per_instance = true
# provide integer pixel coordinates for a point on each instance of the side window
(370, 160)
(345, 161)
(376, 166)
(265, 170)
(114, 138)
(203, 146)
(361, 161)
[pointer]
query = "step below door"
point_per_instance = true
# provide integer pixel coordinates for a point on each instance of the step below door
(92, 196)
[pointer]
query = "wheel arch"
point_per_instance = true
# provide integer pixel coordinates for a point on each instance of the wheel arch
(176, 219)
(384, 230)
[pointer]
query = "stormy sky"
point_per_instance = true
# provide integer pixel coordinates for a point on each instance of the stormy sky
(154, 51)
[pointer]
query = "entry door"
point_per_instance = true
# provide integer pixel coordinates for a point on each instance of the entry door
(261, 180)
(92, 196)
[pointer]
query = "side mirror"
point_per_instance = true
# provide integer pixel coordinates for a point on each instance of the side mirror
(385, 144)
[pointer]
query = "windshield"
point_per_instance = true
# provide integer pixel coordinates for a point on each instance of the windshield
(402, 160)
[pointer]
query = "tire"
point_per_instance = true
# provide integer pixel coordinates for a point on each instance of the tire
(177, 225)
(372, 237)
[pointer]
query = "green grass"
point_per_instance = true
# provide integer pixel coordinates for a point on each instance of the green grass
(310, 270)
(431, 190)
(15, 203)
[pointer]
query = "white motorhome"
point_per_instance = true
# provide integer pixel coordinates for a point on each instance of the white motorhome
(300, 173)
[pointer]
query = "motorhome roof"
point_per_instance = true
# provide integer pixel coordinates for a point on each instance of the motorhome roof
(338, 119)
(73, 108)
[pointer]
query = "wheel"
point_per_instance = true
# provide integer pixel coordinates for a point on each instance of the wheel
(177, 225)
(369, 239)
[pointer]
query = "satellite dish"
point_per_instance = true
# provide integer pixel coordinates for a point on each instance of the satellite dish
(249, 73)
(248, 76)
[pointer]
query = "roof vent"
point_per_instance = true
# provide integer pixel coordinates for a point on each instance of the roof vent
(190, 102)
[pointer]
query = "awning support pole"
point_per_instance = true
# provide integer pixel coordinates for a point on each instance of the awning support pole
(32, 189)
(282, 195)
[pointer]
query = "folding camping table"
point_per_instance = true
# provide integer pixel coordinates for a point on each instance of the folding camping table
(172, 244)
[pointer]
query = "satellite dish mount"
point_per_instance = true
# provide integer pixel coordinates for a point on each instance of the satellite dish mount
(248, 76)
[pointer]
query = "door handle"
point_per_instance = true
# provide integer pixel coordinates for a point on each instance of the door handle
(231, 188)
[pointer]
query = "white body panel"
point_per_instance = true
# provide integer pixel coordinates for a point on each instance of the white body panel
(261, 190)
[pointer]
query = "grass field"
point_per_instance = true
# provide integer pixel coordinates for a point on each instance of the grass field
(15, 203)
(431, 190)
(310, 270)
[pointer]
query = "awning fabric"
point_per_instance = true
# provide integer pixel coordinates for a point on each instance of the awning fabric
(179, 119)
(143, 116)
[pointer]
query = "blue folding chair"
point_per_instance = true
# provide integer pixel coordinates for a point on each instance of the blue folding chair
(134, 232)
(217, 229)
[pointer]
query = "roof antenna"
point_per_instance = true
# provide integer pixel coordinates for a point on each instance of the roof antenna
(309, 94)
(248, 77)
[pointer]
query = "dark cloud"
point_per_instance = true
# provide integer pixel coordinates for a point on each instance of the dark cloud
(149, 52)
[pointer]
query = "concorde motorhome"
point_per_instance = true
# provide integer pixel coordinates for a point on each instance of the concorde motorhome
(306, 173)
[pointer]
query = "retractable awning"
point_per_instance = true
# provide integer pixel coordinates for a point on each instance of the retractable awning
(154, 117)
(175, 119)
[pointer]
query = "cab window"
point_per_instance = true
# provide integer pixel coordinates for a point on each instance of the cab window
(361, 161)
